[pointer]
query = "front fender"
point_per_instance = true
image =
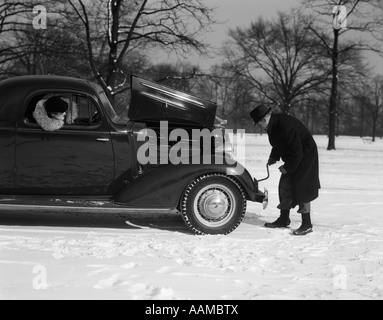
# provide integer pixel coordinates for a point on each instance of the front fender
(163, 186)
(250, 184)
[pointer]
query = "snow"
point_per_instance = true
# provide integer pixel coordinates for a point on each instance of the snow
(153, 256)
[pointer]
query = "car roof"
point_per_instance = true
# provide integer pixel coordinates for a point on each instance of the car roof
(36, 82)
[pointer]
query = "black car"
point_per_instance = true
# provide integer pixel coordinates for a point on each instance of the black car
(151, 161)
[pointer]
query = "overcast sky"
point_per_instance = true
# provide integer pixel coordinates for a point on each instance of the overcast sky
(231, 14)
(242, 12)
(234, 13)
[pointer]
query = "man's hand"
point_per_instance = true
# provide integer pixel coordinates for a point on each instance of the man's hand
(271, 161)
(282, 170)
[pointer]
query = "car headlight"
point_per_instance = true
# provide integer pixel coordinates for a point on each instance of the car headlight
(223, 145)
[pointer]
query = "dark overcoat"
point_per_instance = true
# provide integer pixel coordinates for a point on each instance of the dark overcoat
(293, 143)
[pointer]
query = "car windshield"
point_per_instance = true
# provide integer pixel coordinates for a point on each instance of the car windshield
(110, 110)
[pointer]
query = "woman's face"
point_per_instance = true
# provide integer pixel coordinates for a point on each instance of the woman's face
(59, 115)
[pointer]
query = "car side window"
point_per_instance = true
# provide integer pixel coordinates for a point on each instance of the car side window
(29, 118)
(48, 111)
(82, 111)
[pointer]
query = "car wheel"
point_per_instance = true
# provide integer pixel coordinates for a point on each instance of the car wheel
(213, 204)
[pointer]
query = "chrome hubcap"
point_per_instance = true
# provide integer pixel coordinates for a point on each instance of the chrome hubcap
(215, 205)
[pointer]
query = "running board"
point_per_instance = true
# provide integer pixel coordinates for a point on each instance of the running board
(75, 205)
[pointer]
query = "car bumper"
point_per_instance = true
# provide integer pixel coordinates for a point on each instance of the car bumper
(261, 197)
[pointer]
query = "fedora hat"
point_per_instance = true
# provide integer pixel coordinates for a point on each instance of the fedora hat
(55, 104)
(259, 112)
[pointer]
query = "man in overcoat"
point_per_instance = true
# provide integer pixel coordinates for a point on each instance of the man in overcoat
(299, 184)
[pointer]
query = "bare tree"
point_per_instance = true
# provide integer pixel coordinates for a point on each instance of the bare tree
(281, 59)
(376, 103)
(233, 94)
(363, 18)
(126, 25)
(11, 12)
(370, 101)
(52, 51)
(47, 48)
(354, 74)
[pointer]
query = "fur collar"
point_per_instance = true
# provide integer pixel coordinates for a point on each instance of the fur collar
(50, 124)
(41, 117)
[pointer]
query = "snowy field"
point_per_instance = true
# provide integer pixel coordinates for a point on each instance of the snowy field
(55, 255)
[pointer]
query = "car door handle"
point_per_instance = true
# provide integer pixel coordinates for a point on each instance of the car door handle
(103, 139)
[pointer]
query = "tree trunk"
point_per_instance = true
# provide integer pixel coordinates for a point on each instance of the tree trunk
(334, 93)
(113, 74)
(374, 129)
(361, 120)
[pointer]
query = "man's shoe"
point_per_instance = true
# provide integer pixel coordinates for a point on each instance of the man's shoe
(303, 230)
(279, 223)
(306, 226)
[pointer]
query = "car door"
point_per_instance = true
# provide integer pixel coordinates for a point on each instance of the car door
(75, 160)
(7, 150)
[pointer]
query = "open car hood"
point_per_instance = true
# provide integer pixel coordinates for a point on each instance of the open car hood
(153, 102)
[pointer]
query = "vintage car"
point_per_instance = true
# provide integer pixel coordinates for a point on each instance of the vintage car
(99, 159)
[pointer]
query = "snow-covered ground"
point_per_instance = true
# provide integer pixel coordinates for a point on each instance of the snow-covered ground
(74, 255)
